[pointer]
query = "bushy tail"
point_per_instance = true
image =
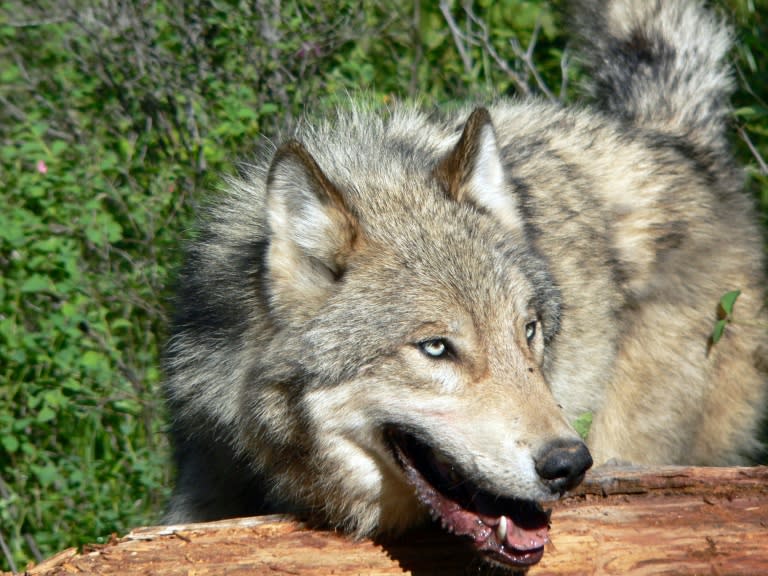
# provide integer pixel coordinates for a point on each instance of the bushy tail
(660, 64)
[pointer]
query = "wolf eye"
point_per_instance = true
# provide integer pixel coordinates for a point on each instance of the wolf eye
(435, 348)
(530, 331)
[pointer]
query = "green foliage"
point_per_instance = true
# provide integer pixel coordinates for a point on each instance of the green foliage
(582, 424)
(114, 119)
(724, 314)
(750, 18)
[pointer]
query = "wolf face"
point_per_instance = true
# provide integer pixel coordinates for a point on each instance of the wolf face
(435, 396)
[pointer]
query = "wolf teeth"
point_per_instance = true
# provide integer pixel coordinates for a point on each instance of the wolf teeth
(501, 530)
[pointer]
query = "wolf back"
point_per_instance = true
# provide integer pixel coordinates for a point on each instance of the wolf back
(391, 309)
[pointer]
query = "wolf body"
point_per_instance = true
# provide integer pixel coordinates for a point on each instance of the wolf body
(392, 311)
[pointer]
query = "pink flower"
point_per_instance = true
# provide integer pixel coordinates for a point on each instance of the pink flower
(42, 168)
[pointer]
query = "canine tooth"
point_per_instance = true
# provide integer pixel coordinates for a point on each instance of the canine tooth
(501, 530)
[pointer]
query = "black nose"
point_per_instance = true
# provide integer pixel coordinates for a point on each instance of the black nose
(561, 464)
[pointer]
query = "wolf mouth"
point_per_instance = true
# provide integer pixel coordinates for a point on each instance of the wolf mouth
(507, 531)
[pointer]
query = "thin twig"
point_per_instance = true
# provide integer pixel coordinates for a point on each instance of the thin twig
(565, 61)
(104, 346)
(36, 23)
(754, 150)
(744, 82)
(32, 545)
(485, 41)
(458, 36)
(13, 111)
(527, 57)
(7, 554)
(416, 41)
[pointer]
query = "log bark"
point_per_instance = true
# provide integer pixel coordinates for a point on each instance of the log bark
(670, 520)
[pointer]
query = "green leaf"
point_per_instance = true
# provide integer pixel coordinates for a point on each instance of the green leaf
(45, 474)
(46, 414)
(750, 112)
(103, 229)
(36, 283)
(10, 443)
(39, 128)
(119, 323)
(268, 108)
(724, 314)
(72, 385)
(728, 300)
(127, 406)
(59, 147)
(582, 424)
(54, 399)
(91, 359)
(9, 74)
(108, 161)
(718, 331)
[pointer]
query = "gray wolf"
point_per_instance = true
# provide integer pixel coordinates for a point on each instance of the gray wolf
(396, 314)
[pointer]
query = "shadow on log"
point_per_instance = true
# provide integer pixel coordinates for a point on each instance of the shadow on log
(670, 520)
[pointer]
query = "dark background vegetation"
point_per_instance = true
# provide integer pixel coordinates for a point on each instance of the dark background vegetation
(116, 116)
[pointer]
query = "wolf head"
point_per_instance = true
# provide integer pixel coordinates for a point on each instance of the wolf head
(412, 318)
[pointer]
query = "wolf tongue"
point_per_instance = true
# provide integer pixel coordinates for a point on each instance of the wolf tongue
(513, 536)
(522, 526)
(486, 531)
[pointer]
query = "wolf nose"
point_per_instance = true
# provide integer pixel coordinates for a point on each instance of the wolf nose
(561, 464)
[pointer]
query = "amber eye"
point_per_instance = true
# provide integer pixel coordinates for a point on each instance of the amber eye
(435, 348)
(530, 331)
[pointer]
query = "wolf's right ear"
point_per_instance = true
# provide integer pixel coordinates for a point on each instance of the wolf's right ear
(473, 171)
(311, 232)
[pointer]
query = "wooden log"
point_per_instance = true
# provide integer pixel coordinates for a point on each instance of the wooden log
(671, 520)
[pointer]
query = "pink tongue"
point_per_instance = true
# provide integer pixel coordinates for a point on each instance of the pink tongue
(517, 537)
(484, 529)
(522, 539)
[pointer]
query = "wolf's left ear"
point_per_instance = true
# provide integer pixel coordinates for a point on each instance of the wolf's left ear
(311, 233)
(473, 171)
